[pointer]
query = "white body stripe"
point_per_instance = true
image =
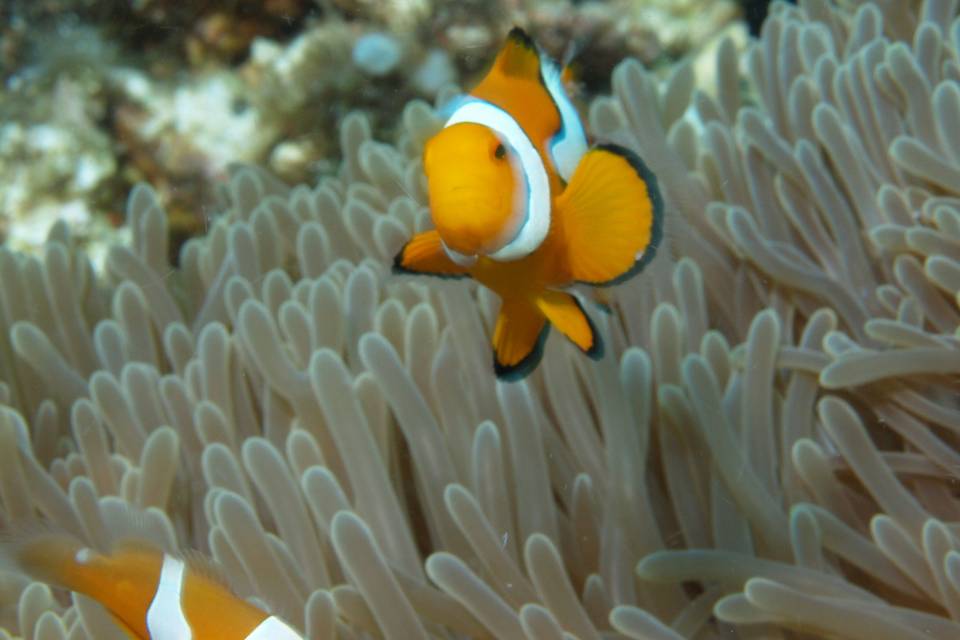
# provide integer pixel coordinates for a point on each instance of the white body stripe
(533, 174)
(273, 628)
(165, 619)
(570, 143)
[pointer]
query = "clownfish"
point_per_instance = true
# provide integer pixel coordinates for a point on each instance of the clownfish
(520, 203)
(151, 595)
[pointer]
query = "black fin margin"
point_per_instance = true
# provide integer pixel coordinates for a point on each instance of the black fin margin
(656, 204)
(521, 37)
(398, 269)
(603, 307)
(519, 371)
(597, 349)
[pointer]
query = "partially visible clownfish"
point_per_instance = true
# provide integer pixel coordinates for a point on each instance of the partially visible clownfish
(151, 595)
(522, 204)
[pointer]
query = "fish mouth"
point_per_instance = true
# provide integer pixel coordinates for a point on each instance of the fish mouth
(468, 222)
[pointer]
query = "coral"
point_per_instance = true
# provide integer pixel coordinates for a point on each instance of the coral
(55, 161)
(401, 16)
(198, 32)
(377, 54)
(304, 89)
(768, 449)
(97, 96)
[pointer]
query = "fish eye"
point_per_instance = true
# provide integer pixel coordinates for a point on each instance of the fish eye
(500, 152)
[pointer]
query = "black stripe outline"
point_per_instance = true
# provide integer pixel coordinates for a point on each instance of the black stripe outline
(399, 269)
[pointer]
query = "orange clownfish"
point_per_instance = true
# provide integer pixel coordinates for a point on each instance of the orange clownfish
(521, 204)
(151, 595)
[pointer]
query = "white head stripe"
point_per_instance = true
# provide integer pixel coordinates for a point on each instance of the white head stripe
(534, 228)
(273, 628)
(570, 143)
(165, 619)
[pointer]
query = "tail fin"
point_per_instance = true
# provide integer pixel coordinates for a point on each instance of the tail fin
(612, 216)
(565, 312)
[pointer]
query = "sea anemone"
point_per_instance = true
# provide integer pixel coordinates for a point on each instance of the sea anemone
(768, 449)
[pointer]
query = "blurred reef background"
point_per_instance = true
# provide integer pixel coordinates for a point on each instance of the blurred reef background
(101, 95)
(201, 337)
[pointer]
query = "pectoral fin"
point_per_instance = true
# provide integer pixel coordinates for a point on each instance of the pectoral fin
(565, 313)
(518, 339)
(612, 216)
(423, 254)
(124, 629)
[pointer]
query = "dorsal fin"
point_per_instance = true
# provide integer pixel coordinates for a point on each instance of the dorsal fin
(130, 526)
(519, 57)
(515, 83)
(135, 544)
(123, 628)
(206, 567)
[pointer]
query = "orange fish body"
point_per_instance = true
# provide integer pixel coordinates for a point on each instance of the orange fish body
(523, 206)
(150, 595)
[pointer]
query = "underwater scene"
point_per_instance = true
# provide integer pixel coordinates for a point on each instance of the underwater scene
(494, 319)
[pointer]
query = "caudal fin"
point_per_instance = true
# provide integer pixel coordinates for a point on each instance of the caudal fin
(564, 312)
(612, 215)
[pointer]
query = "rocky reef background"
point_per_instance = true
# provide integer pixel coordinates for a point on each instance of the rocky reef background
(99, 96)
(769, 448)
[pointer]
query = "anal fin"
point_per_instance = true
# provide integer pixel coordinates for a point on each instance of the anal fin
(423, 254)
(123, 629)
(612, 216)
(99, 622)
(518, 339)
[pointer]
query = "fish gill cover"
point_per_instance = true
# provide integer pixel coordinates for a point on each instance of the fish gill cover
(770, 446)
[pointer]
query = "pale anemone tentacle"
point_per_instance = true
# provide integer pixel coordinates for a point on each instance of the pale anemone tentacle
(532, 200)
(769, 449)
